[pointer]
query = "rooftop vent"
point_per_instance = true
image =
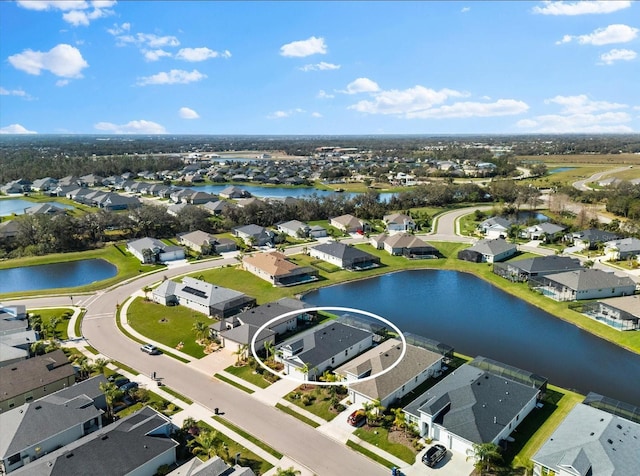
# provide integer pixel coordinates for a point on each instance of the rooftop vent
(105, 437)
(70, 455)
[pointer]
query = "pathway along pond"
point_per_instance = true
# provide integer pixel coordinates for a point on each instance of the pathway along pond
(477, 318)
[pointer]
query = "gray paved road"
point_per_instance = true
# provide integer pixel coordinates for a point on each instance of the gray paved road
(582, 184)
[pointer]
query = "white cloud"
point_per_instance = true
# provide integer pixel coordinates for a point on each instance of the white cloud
(200, 54)
(188, 113)
(62, 82)
(119, 29)
(581, 104)
(465, 9)
(155, 55)
(16, 129)
(361, 85)
(175, 76)
(148, 40)
(322, 66)
(62, 60)
(580, 7)
(282, 114)
(133, 127)
(608, 122)
(14, 92)
(76, 12)
(580, 114)
(302, 48)
(408, 102)
(316, 114)
(604, 36)
(501, 107)
(617, 55)
(322, 94)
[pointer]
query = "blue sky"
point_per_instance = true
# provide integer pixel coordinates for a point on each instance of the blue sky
(326, 67)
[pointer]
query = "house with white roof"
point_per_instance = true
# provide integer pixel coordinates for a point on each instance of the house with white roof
(488, 251)
(151, 250)
(399, 223)
(583, 284)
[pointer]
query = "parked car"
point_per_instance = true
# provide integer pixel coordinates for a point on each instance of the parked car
(434, 455)
(129, 386)
(357, 418)
(120, 381)
(150, 349)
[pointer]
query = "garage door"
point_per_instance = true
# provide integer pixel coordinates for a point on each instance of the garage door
(459, 445)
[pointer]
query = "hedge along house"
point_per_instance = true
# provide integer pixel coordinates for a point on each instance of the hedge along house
(480, 402)
(209, 299)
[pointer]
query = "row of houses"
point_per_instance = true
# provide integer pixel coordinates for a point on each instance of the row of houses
(64, 432)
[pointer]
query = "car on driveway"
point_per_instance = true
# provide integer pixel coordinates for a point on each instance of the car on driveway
(434, 455)
(150, 349)
(357, 418)
(129, 386)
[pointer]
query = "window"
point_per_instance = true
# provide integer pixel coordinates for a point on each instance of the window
(346, 352)
(13, 459)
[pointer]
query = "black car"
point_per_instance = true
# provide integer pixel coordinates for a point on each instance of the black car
(434, 455)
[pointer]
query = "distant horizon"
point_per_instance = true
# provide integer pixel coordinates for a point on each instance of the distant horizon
(328, 68)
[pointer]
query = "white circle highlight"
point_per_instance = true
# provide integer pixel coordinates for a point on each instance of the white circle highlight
(329, 308)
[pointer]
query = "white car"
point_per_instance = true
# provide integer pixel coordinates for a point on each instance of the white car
(150, 349)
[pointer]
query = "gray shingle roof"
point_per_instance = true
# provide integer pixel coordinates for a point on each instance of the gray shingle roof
(493, 247)
(585, 279)
(589, 438)
(547, 264)
(342, 251)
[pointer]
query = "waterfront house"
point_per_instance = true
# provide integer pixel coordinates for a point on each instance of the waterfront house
(592, 441)
(525, 269)
(344, 256)
(9, 229)
(150, 250)
(404, 244)
(622, 313)
(44, 184)
(483, 401)
(234, 192)
(488, 251)
(417, 365)
(201, 296)
(277, 269)
(583, 284)
(308, 355)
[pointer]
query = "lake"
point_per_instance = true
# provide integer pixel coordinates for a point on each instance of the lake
(477, 318)
(57, 275)
(9, 206)
(282, 192)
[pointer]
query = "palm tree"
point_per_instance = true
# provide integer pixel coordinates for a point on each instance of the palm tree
(304, 370)
(111, 394)
(241, 353)
(485, 455)
(146, 290)
(201, 330)
(399, 420)
(207, 443)
(291, 471)
(38, 347)
(100, 364)
(270, 348)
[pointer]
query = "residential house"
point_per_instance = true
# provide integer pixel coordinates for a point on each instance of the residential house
(545, 231)
(399, 223)
(591, 441)
(344, 256)
(201, 296)
(481, 402)
(150, 250)
(348, 224)
(495, 227)
(276, 268)
(45, 209)
(294, 228)
(90, 180)
(137, 444)
(218, 207)
(199, 198)
(199, 241)
(44, 184)
(255, 235)
(28, 380)
(16, 186)
(177, 208)
(246, 202)
(35, 429)
(417, 365)
(9, 229)
(622, 313)
(212, 467)
(114, 201)
(325, 347)
(317, 231)
(15, 336)
(525, 269)
(619, 250)
(583, 284)
(238, 330)
(404, 244)
(234, 192)
(488, 251)
(589, 239)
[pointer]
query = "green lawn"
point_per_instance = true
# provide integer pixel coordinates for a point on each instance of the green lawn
(379, 436)
(63, 314)
(320, 401)
(156, 402)
(245, 372)
(167, 325)
(128, 267)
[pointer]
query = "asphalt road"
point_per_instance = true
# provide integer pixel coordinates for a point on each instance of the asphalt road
(582, 184)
